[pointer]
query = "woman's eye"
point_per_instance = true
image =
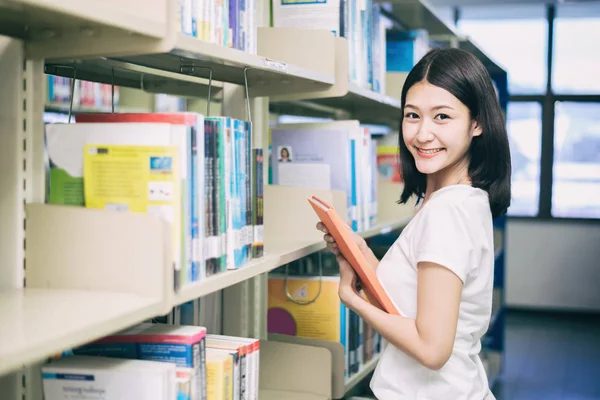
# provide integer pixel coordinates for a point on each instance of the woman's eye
(443, 116)
(411, 115)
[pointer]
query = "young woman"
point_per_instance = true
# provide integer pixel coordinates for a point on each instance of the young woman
(439, 272)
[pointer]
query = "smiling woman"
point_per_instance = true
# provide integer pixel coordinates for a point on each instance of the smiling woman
(439, 273)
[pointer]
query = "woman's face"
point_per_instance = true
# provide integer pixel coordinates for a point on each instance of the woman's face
(437, 128)
(284, 154)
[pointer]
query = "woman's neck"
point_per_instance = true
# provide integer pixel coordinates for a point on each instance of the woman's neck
(457, 174)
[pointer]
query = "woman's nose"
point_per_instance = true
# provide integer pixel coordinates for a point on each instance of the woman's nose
(425, 134)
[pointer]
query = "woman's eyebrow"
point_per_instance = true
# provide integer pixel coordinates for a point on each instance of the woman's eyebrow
(434, 108)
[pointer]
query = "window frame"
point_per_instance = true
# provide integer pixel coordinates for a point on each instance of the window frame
(547, 100)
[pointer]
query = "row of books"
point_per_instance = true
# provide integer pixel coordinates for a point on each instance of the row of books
(231, 23)
(336, 155)
(86, 94)
(153, 361)
(202, 175)
(303, 301)
(360, 22)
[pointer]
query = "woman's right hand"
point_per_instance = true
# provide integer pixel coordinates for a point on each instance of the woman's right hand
(359, 240)
(332, 245)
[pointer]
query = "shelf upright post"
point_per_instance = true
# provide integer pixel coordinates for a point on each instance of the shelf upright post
(12, 164)
(21, 181)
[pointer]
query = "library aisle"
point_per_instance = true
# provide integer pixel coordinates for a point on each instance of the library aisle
(157, 157)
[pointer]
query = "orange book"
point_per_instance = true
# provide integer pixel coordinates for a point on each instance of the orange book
(336, 226)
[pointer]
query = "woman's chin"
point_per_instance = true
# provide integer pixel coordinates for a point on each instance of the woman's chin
(427, 168)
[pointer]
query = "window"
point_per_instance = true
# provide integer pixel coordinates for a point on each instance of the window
(576, 172)
(515, 37)
(576, 53)
(524, 125)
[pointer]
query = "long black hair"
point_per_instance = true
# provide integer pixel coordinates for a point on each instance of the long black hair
(465, 77)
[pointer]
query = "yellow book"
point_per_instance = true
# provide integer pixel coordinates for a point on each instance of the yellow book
(324, 318)
(219, 375)
(143, 179)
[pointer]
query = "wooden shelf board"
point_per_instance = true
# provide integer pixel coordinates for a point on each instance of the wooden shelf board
(274, 257)
(492, 66)
(185, 70)
(362, 104)
(365, 370)
(133, 76)
(37, 18)
(228, 65)
(419, 14)
(44, 322)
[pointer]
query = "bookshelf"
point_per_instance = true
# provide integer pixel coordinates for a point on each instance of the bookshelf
(53, 294)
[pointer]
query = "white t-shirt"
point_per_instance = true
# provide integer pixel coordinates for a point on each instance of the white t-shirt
(453, 229)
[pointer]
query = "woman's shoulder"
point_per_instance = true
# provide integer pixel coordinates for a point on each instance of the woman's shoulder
(459, 196)
(463, 202)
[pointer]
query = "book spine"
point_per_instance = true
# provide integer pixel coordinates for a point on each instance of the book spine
(248, 190)
(185, 216)
(193, 207)
(353, 206)
(225, 22)
(229, 194)
(375, 180)
(257, 199)
(209, 199)
(237, 186)
(242, 19)
(233, 22)
(200, 203)
(223, 192)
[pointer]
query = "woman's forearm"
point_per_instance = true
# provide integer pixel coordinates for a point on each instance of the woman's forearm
(400, 332)
(370, 256)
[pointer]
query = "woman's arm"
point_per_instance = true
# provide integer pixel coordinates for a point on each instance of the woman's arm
(430, 337)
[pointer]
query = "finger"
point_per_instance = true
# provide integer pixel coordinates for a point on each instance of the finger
(328, 238)
(321, 226)
(332, 247)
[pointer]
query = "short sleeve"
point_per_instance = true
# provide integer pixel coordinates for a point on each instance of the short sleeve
(448, 235)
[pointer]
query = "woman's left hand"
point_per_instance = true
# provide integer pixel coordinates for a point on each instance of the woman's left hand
(349, 284)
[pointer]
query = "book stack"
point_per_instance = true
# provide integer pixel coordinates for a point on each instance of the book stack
(201, 175)
(317, 312)
(182, 362)
(231, 23)
(360, 22)
(338, 155)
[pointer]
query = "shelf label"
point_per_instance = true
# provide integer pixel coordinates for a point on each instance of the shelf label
(276, 65)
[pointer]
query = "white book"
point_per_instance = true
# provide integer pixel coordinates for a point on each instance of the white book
(83, 377)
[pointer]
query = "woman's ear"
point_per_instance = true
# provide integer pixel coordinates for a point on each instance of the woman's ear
(476, 128)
